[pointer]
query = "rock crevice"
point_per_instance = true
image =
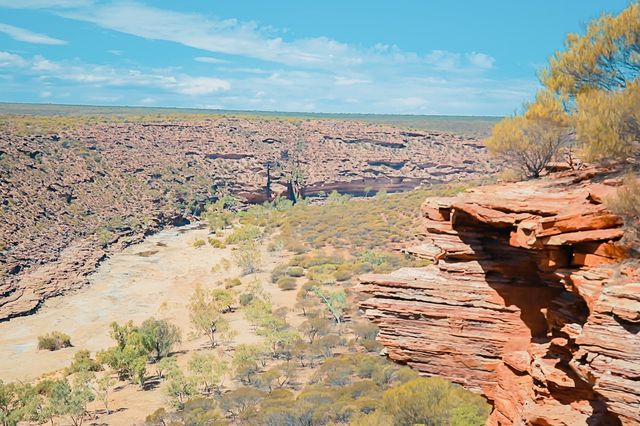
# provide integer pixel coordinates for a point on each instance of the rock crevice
(526, 302)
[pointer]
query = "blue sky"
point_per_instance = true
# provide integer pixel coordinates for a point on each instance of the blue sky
(465, 57)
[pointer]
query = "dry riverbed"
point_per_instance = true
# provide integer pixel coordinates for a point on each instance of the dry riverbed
(153, 278)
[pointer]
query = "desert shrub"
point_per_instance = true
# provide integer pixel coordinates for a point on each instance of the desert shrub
(232, 282)
(198, 243)
(54, 341)
(82, 361)
(243, 234)
(245, 298)
(343, 274)
(365, 330)
(216, 243)
(240, 400)
(626, 203)
(159, 337)
(248, 257)
(277, 272)
(287, 283)
(296, 247)
(295, 271)
(434, 401)
(529, 142)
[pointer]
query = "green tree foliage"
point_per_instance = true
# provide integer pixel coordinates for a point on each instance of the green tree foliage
(434, 401)
(248, 257)
(208, 371)
(530, 141)
(206, 310)
(82, 361)
(592, 87)
(129, 357)
(180, 388)
(336, 302)
(159, 337)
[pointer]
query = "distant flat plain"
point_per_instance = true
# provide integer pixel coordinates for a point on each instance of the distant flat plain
(478, 126)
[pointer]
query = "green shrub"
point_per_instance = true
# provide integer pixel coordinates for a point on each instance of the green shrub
(243, 234)
(286, 283)
(198, 243)
(245, 298)
(54, 341)
(82, 361)
(214, 242)
(232, 282)
(342, 274)
(278, 272)
(295, 271)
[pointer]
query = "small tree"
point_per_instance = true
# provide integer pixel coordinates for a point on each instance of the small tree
(248, 257)
(207, 310)
(208, 371)
(336, 302)
(129, 357)
(104, 386)
(532, 140)
(245, 361)
(240, 400)
(159, 337)
(180, 388)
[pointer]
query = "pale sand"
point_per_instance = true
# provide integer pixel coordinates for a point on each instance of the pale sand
(125, 287)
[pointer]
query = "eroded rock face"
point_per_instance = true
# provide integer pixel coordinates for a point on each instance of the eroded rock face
(69, 198)
(526, 302)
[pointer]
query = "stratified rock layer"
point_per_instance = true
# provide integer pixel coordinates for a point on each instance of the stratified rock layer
(526, 302)
(68, 198)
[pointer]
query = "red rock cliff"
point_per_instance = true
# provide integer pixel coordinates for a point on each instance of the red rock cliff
(526, 302)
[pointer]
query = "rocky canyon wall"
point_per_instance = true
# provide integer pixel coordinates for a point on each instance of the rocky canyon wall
(526, 302)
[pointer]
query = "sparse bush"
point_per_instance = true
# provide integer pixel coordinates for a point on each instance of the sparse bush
(82, 361)
(198, 243)
(248, 257)
(277, 272)
(342, 274)
(287, 283)
(245, 298)
(244, 234)
(216, 243)
(626, 203)
(295, 271)
(232, 282)
(54, 341)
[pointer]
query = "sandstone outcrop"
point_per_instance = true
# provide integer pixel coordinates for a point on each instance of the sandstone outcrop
(526, 302)
(70, 197)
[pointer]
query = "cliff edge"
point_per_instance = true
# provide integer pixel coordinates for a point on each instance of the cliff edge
(529, 301)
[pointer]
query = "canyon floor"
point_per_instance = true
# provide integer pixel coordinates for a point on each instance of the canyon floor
(154, 278)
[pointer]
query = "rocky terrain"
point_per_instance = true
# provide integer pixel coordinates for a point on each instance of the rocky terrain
(530, 301)
(71, 197)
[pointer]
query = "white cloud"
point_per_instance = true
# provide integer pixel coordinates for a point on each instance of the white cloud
(480, 60)
(96, 76)
(345, 81)
(443, 60)
(39, 63)
(228, 36)
(27, 36)
(45, 94)
(44, 4)
(11, 60)
(209, 60)
(196, 86)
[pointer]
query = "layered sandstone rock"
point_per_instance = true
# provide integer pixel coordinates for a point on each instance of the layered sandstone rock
(66, 197)
(525, 302)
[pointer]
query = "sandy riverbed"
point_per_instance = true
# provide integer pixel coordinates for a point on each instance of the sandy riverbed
(127, 286)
